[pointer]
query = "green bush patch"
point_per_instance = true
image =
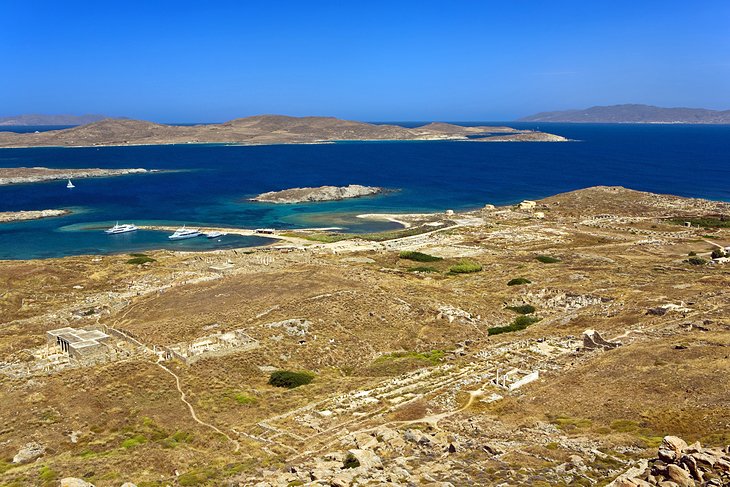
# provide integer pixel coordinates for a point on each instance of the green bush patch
(140, 259)
(136, 440)
(524, 309)
(418, 256)
(518, 281)
(697, 261)
(546, 259)
(519, 323)
(434, 356)
(465, 267)
(705, 222)
(290, 379)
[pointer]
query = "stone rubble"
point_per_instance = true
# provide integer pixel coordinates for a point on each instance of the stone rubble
(680, 465)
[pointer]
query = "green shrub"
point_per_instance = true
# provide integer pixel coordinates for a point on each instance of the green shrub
(692, 253)
(697, 261)
(546, 259)
(350, 461)
(706, 222)
(717, 253)
(242, 398)
(134, 441)
(418, 256)
(290, 379)
(140, 259)
(47, 474)
(465, 267)
(524, 309)
(422, 269)
(434, 356)
(518, 281)
(519, 323)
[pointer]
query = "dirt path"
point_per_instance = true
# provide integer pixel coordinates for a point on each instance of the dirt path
(192, 411)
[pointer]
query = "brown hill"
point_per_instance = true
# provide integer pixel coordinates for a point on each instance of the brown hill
(262, 129)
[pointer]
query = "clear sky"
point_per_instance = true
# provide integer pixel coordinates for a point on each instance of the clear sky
(177, 61)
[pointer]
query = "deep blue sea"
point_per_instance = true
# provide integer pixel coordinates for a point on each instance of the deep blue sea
(210, 184)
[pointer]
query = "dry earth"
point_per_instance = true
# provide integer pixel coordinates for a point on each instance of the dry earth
(404, 364)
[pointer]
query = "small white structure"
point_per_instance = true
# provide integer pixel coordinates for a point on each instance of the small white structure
(449, 212)
(515, 378)
(527, 205)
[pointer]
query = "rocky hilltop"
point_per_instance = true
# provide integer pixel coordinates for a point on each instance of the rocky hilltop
(633, 114)
(19, 175)
(321, 193)
(261, 130)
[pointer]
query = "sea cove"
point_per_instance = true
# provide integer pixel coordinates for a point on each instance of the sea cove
(210, 183)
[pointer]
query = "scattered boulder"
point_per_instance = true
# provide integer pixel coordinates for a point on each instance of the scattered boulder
(29, 452)
(680, 465)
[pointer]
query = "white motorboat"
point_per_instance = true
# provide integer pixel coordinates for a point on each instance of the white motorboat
(214, 234)
(183, 232)
(123, 228)
(70, 185)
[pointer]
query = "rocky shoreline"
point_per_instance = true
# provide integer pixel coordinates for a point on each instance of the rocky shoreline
(23, 175)
(17, 216)
(321, 193)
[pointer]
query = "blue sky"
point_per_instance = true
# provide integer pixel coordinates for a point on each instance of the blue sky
(370, 60)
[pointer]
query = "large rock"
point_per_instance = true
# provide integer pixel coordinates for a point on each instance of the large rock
(680, 476)
(74, 482)
(368, 460)
(29, 452)
(674, 444)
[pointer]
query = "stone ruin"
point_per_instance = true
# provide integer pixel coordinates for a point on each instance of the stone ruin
(215, 345)
(592, 340)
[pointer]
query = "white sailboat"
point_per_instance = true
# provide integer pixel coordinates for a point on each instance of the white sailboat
(70, 185)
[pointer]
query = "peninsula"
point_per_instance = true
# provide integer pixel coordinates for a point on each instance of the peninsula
(260, 130)
(20, 175)
(633, 113)
(17, 216)
(321, 193)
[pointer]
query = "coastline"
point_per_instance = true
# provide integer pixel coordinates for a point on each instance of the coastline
(29, 215)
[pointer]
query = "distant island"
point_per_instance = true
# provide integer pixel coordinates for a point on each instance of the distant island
(321, 193)
(21, 175)
(261, 130)
(37, 119)
(632, 114)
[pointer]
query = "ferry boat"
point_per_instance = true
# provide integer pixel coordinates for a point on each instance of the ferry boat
(70, 185)
(183, 232)
(214, 234)
(123, 228)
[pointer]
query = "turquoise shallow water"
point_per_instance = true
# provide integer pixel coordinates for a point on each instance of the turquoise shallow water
(210, 184)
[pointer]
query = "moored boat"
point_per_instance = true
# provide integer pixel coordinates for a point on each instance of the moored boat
(70, 185)
(123, 228)
(183, 232)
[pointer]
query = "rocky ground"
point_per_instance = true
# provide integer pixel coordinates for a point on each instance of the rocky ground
(411, 385)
